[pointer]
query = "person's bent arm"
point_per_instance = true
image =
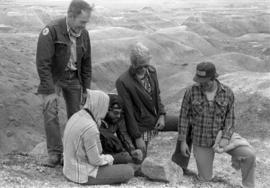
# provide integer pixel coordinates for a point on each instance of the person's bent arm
(124, 136)
(90, 139)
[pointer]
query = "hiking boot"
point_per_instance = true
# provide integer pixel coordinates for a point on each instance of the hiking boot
(187, 172)
(53, 160)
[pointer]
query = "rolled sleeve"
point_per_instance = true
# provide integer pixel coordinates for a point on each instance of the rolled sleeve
(90, 139)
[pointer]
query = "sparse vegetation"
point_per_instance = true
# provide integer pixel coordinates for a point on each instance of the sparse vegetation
(234, 35)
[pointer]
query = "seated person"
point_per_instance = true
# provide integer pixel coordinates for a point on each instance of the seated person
(114, 137)
(84, 162)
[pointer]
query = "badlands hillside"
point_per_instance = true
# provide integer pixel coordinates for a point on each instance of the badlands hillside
(179, 33)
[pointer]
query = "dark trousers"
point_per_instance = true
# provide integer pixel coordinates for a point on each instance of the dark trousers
(71, 90)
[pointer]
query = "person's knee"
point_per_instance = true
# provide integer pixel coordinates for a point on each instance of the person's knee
(249, 157)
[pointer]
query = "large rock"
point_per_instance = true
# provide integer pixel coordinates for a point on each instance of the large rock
(161, 170)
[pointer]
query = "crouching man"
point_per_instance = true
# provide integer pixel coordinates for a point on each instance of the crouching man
(114, 137)
(208, 109)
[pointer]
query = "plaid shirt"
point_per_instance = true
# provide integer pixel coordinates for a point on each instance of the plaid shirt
(206, 118)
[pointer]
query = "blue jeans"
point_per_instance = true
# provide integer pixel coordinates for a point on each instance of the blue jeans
(71, 90)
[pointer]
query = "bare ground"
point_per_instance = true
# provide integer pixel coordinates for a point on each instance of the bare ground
(23, 170)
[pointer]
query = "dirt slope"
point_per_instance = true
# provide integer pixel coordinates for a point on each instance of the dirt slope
(179, 34)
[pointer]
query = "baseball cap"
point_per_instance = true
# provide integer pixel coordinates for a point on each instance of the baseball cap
(205, 71)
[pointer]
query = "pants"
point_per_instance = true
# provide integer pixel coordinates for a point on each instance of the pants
(113, 174)
(242, 156)
(71, 90)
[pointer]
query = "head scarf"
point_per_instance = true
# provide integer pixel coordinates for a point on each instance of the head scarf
(98, 103)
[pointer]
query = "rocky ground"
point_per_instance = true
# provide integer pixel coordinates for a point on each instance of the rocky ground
(179, 34)
(24, 170)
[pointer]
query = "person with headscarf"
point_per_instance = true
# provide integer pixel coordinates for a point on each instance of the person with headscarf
(84, 162)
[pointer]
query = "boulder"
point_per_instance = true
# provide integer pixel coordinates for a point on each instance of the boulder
(161, 170)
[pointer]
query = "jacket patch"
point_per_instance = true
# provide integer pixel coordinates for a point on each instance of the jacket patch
(45, 31)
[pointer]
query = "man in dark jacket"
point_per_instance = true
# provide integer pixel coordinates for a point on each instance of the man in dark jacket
(63, 61)
(114, 137)
(144, 112)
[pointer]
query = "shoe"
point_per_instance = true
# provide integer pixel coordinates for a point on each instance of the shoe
(53, 160)
(187, 172)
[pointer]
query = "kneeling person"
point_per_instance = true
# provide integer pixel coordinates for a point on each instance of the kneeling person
(114, 137)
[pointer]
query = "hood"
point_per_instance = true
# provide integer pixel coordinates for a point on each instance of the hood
(98, 103)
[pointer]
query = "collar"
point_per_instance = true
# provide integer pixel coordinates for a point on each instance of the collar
(220, 86)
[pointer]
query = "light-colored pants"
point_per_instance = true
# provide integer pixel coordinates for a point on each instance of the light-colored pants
(113, 174)
(243, 157)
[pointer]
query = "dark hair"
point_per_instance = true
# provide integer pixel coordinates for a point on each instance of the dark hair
(77, 6)
(115, 100)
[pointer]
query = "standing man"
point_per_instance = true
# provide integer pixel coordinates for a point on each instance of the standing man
(144, 112)
(208, 108)
(64, 64)
(114, 137)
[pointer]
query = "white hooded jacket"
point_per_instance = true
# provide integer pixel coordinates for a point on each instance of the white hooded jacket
(82, 147)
